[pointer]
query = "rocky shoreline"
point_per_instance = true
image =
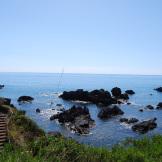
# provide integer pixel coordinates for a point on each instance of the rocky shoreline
(78, 118)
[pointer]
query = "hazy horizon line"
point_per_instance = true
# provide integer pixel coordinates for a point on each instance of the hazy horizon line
(81, 73)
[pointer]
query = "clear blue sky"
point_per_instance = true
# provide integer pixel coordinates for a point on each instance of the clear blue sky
(87, 36)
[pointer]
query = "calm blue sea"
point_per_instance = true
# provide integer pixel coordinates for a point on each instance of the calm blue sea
(44, 88)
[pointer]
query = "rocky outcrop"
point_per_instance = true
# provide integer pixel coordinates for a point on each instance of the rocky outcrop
(145, 126)
(116, 92)
(124, 96)
(159, 106)
(110, 111)
(159, 89)
(98, 97)
(101, 96)
(5, 101)
(129, 121)
(23, 99)
(77, 119)
(130, 92)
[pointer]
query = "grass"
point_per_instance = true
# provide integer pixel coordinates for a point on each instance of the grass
(43, 148)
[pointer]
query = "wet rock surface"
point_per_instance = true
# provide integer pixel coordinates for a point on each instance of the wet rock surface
(77, 119)
(23, 99)
(110, 111)
(145, 126)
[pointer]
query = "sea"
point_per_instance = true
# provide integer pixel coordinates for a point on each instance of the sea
(46, 87)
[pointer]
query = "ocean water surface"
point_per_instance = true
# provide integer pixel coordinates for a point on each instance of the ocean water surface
(46, 87)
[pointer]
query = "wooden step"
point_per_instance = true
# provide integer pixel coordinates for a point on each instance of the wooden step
(3, 134)
(3, 137)
(3, 140)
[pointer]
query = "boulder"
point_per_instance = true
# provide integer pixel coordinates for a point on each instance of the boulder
(129, 121)
(25, 99)
(159, 89)
(141, 110)
(130, 92)
(145, 126)
(77, 119)
(116, 92)
(108, 112)
(5, 101)
(159, 106)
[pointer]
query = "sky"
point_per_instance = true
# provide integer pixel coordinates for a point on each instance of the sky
(81, 36)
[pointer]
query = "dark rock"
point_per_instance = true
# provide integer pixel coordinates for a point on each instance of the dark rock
(55, 134)
(130, 92)
(123, 120)
(124, 96)
(116, 92)
(129, 121)
(145, 126)
(132, 120)
(141, 110)
(96, 97)
(159, 89)
(1, 86)
(78, 119)
(108, 112)
(25, 99)
(38, 110)
(159, 106)
(150, 107)
(128, 103)
(119, 102)
(5, 101)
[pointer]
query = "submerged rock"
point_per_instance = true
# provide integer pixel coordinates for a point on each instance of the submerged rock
(77, 119)
(5, 101)
(159, 89)
(145, 126)
(130, 92)
(108, 112)
(25, 99)
(129, 121)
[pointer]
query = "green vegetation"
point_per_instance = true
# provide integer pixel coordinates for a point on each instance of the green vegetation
(30, 144)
